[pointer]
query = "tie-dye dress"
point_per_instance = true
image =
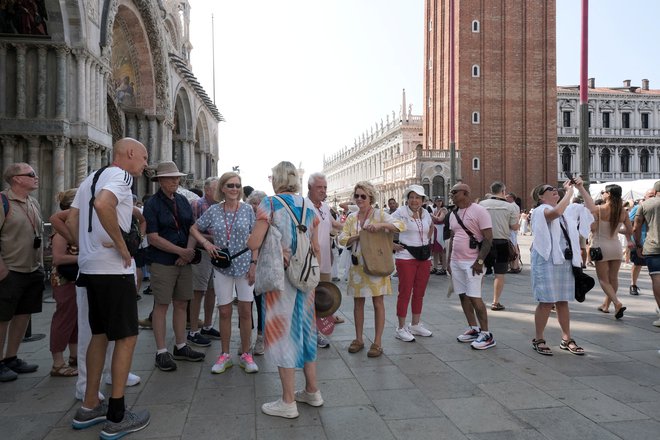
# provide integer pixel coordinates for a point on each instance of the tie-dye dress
(289, 319)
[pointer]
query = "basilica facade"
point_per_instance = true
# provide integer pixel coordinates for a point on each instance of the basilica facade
(76, 76)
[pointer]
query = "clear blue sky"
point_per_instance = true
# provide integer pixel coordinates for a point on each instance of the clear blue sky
(297, 79)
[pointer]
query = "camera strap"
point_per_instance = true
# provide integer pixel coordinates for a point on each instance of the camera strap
(562, 220)
(460, 222)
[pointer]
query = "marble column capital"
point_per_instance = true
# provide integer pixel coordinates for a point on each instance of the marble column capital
(20, 47)
(80, 54)
(32, 139)
(80, 143)
(8, 140)
(58, 141)
(62, 51)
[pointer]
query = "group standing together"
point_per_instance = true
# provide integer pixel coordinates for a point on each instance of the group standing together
(204, 254)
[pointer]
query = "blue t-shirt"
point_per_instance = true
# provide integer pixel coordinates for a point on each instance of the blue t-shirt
(172, 220)
(632, 214)
(231, 230)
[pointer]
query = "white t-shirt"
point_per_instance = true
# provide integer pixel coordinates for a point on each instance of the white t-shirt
(93, 257)
(323, 233)
(416, 232)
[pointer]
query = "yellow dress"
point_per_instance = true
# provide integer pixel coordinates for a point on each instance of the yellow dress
(360, 284)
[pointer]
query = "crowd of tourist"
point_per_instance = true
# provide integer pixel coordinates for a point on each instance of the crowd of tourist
(205, 254)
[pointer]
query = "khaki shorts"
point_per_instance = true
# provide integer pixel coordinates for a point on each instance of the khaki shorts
(202, 274)
(171, 283)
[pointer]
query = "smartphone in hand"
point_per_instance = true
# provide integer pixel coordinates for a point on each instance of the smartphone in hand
(570, 177)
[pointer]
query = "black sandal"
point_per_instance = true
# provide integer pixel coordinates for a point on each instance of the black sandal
(571, 346)
(536, 343)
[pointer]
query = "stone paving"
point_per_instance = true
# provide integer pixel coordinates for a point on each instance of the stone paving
(435, 388)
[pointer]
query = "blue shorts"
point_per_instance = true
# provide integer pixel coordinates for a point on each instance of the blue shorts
(653, 263)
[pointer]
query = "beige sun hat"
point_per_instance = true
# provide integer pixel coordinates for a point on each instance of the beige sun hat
(166, 169)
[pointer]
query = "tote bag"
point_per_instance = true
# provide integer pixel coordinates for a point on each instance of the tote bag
(376, 250)
(269, 275)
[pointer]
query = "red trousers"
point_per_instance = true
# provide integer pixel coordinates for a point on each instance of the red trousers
(413, 278)
(64, 325)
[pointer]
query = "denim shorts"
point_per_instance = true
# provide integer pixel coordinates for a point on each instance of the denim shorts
(653, 263)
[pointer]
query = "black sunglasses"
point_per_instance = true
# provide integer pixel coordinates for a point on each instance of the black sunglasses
(455, 191)
(233, 185)
(360, 196)
(30, 174)
(547, 188)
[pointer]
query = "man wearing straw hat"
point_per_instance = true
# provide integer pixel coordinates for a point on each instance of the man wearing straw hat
(171, 249)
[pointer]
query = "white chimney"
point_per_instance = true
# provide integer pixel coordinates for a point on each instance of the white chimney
(626, 83)
(645, 84)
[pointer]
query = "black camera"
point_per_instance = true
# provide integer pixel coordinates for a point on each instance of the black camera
(474, 244)
(37, 242)
(568, 254)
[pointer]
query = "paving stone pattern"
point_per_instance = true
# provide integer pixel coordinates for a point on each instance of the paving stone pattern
(435, 388)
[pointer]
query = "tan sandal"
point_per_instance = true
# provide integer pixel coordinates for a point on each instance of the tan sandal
(63, 371)
(374, 351)
(355, 346)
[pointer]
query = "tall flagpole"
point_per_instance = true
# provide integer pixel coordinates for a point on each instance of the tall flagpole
(213, 49)
(452, 132)
(584, 95)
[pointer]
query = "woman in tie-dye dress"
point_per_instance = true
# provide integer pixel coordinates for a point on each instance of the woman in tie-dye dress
(290, 327)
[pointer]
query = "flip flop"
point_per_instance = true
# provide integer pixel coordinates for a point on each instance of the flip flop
(619, 313)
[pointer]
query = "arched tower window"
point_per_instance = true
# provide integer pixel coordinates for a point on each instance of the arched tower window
(476, 27)
(476, 164)
(625, 160)
(566, 159)
(476, 72)
(476, 118)
(605, 157)
(644, 157)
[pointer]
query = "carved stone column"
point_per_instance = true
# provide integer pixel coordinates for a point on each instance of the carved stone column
(3, 80)
(98, 151)
(176, 153)
(80, 71)
(142, 129)
(8, 147)
(41, 82)
(58, 164)
(151, 137)
(61, 92)
(104, 156)
(81, 160)
(89, 86)
(34, 142)
(185, 156)
(20, 80)
(91, 156)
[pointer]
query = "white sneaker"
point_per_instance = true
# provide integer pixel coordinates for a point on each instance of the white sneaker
(280, 409)
(322, 341)
(403, 334)
(419, 330)
(258, 348)
(656, 323)
(246, 362)
(471, 334)
(131, 381)
(223, 362)
(312, 399)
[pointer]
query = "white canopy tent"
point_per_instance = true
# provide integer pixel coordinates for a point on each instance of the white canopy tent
(631, 189)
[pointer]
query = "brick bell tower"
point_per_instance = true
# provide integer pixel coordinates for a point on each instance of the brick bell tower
(505, 91)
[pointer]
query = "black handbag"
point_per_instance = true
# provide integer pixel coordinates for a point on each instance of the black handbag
(583, 282)
(419, 252)
(223, 258)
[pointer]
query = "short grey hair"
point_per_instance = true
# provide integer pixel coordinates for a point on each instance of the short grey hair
(256, 197)
(13, 170)
(209, 181)
(313, 177)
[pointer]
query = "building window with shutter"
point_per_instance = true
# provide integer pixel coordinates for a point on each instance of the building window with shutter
(475, 118)
(566, 117)
(644, 157)
(606, 120)
(476, 73)
(625, 160)
(605, 160)
(625, 120)
(476, 27)
(645, 120)
(476, 164)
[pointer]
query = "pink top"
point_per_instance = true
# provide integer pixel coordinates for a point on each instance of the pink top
(475, 218)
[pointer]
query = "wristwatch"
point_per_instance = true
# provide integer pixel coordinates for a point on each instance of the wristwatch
(480, 262)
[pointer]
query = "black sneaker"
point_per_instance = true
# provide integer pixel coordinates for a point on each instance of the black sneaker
(20, 366)
(165, 362)
(634, 290)
(7, 375)
(188, 354)
(210, 333)
(85, 418)
(147, 291)
(132, 422)
(198, 340)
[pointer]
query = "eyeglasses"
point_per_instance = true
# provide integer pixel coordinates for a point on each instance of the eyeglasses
(30, 174)
(233, 185)
(455, 191)
(547, 188)
(360, 196)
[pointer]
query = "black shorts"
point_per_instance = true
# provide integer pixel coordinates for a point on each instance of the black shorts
(498, 258)
(21, 294)
(141, 257)
(112, 304)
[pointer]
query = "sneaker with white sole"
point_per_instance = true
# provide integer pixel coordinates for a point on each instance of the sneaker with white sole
(247, 363)
(419, 330)
(186, 353)
(322, 341)
(258, 348)
(131, 380)
(312, 399)
(85, 418)
(210, 333)
(403, 334)
(132, 422)
(197, 339)
(165, 361)
(484, 341)
(222, 363)
(471, 334)
(279, 408)
(656, 323)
